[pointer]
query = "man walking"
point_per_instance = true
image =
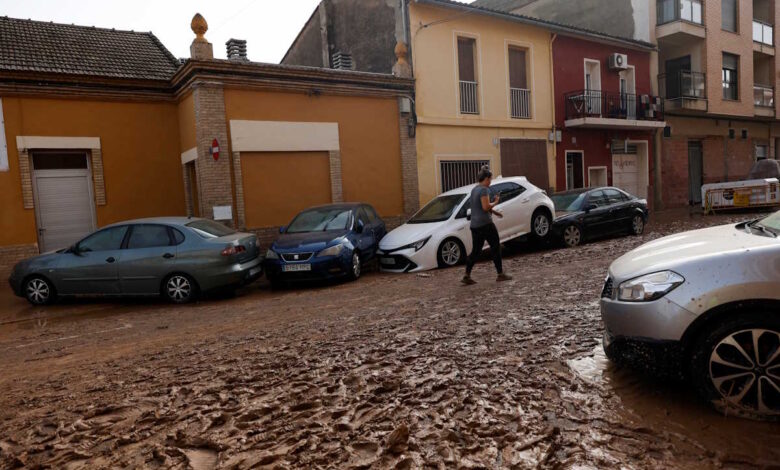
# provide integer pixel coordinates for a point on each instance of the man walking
(482, 227)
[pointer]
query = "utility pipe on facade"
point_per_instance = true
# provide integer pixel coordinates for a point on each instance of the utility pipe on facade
(552, 103)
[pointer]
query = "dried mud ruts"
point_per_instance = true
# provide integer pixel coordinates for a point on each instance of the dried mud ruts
(390, 372)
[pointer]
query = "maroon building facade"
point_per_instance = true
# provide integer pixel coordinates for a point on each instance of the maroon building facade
(606, 115)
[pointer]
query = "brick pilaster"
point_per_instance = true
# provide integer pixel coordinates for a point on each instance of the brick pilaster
(238, 177)
(25, 171)
(214, 179)
(336, 188)
(409, 177)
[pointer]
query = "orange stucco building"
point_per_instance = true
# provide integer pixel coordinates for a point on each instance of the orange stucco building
(129, 131)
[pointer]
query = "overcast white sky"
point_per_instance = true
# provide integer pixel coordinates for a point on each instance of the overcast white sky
(269, 26)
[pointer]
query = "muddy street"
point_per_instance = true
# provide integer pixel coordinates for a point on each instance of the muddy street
(393, 371)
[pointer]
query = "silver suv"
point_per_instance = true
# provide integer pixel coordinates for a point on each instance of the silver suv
(704, 306)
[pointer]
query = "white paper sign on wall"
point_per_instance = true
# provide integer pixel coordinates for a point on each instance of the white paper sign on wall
(3, 146)
(223, 212)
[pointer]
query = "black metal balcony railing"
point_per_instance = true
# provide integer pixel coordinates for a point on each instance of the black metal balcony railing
(683, 84)
(763, 33)
(677, 10)
(469, 100)
(600, 104)
(763, 96)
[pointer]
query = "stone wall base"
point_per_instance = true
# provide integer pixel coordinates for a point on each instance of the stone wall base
(10, 255)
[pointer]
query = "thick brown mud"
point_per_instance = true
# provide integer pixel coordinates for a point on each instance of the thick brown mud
(389, 372)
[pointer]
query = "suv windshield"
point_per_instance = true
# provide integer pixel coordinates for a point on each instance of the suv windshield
(210, 229)
(438, 210)
(568, 202)
(771, 223)
(321, 220)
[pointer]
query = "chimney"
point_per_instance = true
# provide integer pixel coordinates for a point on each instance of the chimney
(236, 49)
(343, 61)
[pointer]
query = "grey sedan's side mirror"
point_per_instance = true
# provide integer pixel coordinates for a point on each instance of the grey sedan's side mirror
(282, 229)
(75, 249)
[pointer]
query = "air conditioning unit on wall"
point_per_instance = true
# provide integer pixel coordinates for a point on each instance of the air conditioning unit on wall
(618, 62)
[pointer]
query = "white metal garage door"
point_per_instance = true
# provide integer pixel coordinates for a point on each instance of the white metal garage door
(63, 199)
(625, 173)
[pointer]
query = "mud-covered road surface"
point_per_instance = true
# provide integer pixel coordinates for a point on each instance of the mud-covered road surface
(390, 372)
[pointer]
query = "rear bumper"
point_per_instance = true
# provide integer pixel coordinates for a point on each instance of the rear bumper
(237, 274)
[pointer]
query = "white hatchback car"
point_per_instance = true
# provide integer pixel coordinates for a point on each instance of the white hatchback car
(439, 236)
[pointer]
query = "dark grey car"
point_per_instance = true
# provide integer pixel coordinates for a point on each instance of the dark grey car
(175, 257)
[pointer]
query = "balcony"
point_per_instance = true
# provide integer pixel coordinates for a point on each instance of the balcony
(684, 91)
(469, 100)
(605, 110)
(763, 38)
(679, 21)
(764, 100)
(520, 103)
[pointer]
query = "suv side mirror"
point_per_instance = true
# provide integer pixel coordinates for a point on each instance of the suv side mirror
(359, 226)
(468, 214)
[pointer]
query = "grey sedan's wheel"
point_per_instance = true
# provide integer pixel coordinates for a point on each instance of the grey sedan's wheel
(572, 236)
(39, 291)
(737, 367)
(451, 253)
(540, 225)
(179, 289)
(355, 267)
(637, 225)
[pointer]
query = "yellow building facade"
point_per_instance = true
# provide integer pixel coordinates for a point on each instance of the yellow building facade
(484, 94)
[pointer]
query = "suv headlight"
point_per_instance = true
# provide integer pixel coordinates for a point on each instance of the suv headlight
(649, 287)
(335, 250)
(271, 254)
(418, 245)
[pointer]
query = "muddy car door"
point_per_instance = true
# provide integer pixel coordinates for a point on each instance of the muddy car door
(91, 265)
(147, 257)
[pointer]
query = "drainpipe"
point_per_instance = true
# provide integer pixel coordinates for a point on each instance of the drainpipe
(658, 201)
(552, 103)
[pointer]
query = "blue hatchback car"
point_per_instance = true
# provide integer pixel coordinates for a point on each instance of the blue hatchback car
(325, 242)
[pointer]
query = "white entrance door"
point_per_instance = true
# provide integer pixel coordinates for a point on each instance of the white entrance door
(63, 199)
(625, 173)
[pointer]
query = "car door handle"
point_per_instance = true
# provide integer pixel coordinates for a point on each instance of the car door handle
(110, 259)
(167, 256)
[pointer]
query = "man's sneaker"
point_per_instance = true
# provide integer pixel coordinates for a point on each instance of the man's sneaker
(468, 281)
(503, 277)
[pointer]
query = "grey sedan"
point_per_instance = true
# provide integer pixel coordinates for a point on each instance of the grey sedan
(174, 257)
(703, 305)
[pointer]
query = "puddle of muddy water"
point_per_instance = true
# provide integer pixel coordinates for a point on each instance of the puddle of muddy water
(675, 408)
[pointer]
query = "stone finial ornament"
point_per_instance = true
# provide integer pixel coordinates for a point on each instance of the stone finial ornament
(199, 27)
(402, 67)
(200, 49)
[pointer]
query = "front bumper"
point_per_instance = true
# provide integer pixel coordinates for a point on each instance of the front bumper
(328, 267)
(661, 320)
(660, 359)
(406, 260)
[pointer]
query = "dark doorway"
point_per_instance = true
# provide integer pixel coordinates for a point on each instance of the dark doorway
(695, 171)
(526, 158)
(675, 76)
(575, 171)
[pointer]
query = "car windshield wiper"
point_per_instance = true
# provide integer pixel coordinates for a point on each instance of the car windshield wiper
(758, 226)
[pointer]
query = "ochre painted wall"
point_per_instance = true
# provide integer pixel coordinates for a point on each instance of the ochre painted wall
(186, 110)
(443, 132)
(368, 135)
(278, 185)
(141, 157)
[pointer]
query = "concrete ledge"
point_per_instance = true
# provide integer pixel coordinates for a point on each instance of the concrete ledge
(68, 143)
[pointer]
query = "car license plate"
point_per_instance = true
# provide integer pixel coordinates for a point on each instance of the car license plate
(254, 272)
(390, 261)
(296, 268)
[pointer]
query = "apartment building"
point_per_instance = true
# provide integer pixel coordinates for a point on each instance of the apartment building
(716, 69)
(484, 81)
